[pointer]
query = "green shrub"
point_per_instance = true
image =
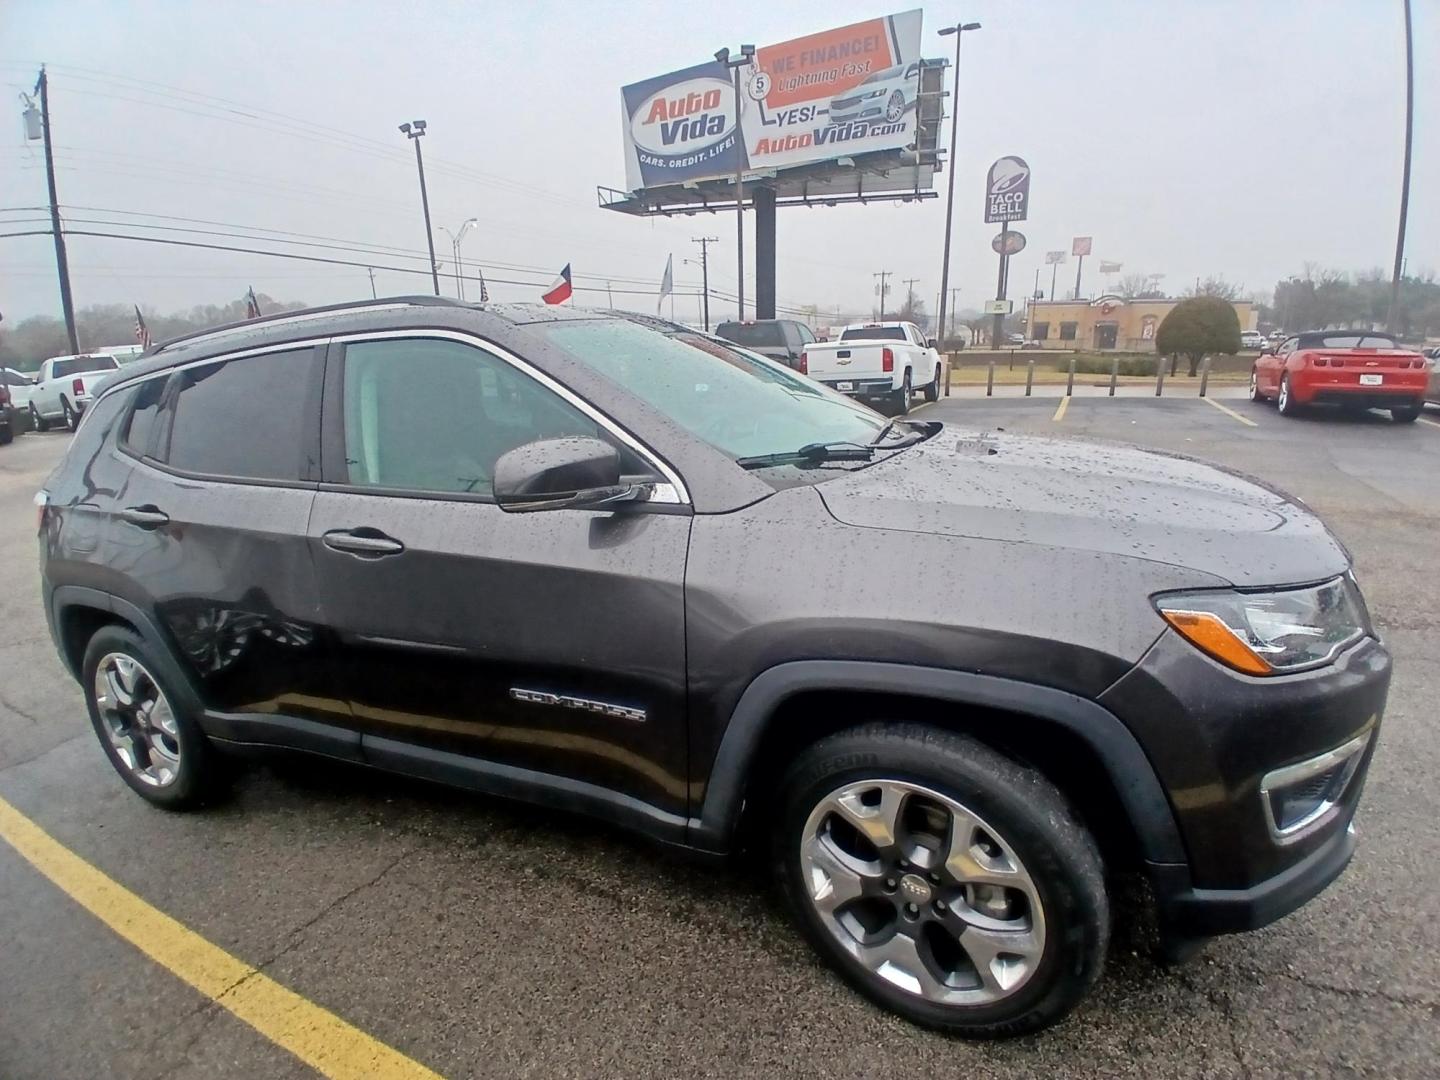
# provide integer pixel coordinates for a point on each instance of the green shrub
(1100, 365)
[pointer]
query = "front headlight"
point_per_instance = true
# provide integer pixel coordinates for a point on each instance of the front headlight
(875, 93)
(1270, 633)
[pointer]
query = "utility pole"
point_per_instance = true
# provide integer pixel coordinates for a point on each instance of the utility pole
(413, 132)
(705, 242)
(373, 294)
(610, 296)
(882, 290)
(62, 263)
(1399, 270)
(910, 294)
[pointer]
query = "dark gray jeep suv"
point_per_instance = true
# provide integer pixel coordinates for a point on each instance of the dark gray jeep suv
(952, 682)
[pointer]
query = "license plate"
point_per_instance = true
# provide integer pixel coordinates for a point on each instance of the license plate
(851, 385)
(1372, 380)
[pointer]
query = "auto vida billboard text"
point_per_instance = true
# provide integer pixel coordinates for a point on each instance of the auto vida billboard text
(845, 91)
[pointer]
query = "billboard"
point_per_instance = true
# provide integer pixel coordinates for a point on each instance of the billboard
(1007, 190)
(851, 90)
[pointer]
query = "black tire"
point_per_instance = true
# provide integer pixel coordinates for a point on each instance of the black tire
(200, 775)
(71, 417)
(1285, 402)
(1021, 806)
(1406, 414)
(932, 392)
(900, 399)
(41, 424)
(7, 430)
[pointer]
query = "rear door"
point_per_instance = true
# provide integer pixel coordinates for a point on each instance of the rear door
(211, 535)
(549, 641)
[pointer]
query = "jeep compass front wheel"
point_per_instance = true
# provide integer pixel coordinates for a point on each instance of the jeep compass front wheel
(944, 881)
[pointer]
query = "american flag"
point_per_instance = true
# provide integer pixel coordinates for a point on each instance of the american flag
(142, 332)
(252, 306)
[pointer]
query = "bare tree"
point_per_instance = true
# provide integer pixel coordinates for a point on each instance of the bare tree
(1216, 286)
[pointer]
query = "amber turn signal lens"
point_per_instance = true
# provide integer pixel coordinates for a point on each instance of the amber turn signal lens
(1210, 634)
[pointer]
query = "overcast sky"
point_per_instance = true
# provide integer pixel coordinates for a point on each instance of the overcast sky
(1241, 139)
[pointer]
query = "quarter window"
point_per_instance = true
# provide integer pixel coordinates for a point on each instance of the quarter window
(141, 424)
(244, 418)
(432, 415)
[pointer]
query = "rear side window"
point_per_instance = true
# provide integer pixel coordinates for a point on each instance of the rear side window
(759, 335)
(874, 333)
(244, 418)
(81, 365)
(140, 427)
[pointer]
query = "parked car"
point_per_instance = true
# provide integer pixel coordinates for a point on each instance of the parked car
(1359, 369)
(19, 385)
(1432, 386)
(883, 97)
(551, 555)
(1252, 339)
(7, 416)
(1015, 338)
(779, 339)
(877, 361)
(64, 386)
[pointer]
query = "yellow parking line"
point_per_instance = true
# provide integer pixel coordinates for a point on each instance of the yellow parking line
(1231, 412)
(314, 1035)
(1432, 423)
(1060, 409)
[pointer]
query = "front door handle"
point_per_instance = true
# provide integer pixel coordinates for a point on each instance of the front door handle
(148, 516)
(367, 543)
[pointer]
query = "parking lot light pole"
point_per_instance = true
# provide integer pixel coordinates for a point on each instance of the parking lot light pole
(413, 131)
(746, 57)
(959, 30)
(1399, 270)
(455, 238)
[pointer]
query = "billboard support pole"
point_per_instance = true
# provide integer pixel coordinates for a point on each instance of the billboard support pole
(764, 199)
(998, 326)
(1079, 265)
(1054, 269)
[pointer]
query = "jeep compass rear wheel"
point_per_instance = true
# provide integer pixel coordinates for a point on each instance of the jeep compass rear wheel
(142, 727)
(944, 881)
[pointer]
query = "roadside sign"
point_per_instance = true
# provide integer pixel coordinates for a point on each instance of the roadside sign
(999, 307)
(1053, 257)
(1081, 245)
(1007, 190)
(1008, 243)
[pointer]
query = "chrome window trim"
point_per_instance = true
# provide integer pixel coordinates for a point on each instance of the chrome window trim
(1289, 775)
(218, 358)
(678, 493)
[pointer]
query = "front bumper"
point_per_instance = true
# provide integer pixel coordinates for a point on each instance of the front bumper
(1217, 740)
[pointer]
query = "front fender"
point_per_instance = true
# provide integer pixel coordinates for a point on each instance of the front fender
(1125, 763)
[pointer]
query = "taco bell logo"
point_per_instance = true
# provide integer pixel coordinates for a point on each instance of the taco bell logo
(1007, 190)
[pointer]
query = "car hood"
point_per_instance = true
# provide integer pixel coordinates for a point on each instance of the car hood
(1093, 497)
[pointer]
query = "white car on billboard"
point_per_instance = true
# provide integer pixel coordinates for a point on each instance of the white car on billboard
(882, 98)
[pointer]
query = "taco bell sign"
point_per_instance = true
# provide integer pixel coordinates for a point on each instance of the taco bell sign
(1007, 190)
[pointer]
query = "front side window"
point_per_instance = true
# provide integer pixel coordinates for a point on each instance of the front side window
(426, 414)
(739, 405)
(244, 418)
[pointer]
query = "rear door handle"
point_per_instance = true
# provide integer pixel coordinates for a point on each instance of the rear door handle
(365, 542)
(148, 516)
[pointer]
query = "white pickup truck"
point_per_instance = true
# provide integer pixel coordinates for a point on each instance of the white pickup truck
(64, 386)
(877, 361)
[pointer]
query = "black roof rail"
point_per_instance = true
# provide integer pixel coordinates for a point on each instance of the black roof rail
(349, 305)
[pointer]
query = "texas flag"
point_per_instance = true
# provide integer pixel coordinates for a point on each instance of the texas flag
(560, 291)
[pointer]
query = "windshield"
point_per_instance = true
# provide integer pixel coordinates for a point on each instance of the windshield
(761, 334)
(874, 333)
(882, 75)
(80, 365)
(742, 406)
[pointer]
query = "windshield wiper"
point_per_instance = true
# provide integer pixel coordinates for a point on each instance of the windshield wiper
(811, 454)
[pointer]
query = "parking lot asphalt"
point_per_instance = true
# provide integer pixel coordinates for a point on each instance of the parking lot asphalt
(483, 939)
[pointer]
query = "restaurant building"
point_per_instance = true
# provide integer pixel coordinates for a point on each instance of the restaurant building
(1108, 322)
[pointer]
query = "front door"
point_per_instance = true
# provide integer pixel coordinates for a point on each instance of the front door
(1105, 334)
(551, 641)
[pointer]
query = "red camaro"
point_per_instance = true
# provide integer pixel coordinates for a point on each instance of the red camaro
(1357, 369)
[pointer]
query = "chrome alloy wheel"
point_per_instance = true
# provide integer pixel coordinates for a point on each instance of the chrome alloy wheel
(138, 719)
(922, 892)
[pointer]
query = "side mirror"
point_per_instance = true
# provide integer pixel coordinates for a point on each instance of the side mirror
(1267, 350)
(933, 343)
(559, 474)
